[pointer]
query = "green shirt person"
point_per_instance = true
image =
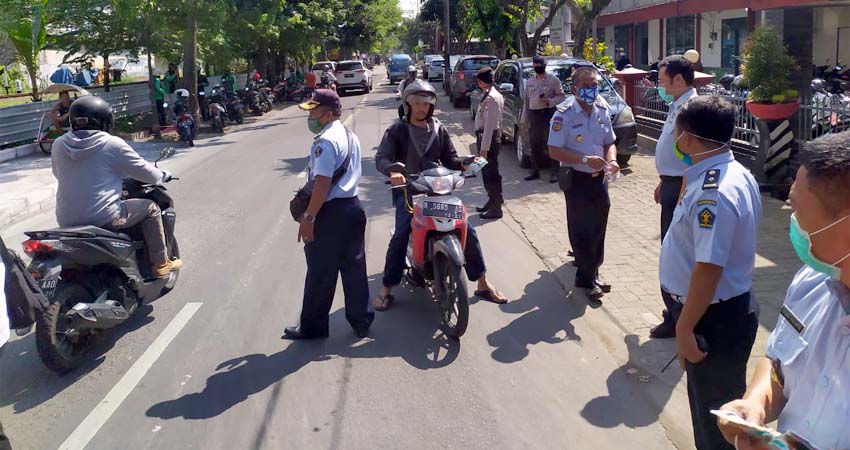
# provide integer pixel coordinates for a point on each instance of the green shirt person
(228, 80)
(158, 90)
(172, 80)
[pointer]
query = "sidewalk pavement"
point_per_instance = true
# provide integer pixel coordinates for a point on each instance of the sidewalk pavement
(633, 247)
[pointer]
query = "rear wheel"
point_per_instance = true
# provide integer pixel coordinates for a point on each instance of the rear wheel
(45, 146)
(61, 348)
(452, 296)
(519, 145)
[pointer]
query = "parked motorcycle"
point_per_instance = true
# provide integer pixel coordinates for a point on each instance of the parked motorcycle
(235, 108)
(435, 253)
(252, 101)
(266, 98)
(216, 110)
(95, 279)
(185, 125)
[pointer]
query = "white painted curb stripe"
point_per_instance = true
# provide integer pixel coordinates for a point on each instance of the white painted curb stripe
(104, 410)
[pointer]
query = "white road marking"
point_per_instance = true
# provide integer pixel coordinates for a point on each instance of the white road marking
(104, 410)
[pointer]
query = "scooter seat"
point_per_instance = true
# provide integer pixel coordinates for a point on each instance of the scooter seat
(87, 231)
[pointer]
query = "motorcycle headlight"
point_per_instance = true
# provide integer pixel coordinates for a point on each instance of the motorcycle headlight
(626, 117)
(441, 185)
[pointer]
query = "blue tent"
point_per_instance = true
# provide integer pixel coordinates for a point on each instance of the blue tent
(62, 75)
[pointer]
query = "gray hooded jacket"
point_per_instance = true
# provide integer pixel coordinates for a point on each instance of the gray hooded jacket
(90, 167)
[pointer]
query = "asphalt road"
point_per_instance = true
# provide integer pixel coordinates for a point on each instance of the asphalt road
(205, 368)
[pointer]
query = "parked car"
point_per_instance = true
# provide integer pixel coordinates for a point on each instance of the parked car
(427, 64)
(398, 67)
(436, 69)
(510, 79)
(462, 78)
(317, 68)
(353, 75)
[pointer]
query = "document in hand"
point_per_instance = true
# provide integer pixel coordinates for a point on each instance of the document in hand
(773, 439)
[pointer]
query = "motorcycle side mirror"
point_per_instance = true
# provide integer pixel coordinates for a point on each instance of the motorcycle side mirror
(397, 167)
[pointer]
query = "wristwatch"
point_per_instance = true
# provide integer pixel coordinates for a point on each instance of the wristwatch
(307, 217)
(584, 159)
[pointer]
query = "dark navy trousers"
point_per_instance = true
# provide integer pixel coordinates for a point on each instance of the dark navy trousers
(338, 249)
(396, 253)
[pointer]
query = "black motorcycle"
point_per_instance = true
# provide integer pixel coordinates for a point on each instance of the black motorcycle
(185, 125)
(235, 108)
(216, 111)
(95, 279)
(253, 101)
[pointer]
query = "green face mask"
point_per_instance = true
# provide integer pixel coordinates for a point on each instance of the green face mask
(315, 125)
(801, 240)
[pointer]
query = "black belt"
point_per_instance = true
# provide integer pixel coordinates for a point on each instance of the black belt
(542, 109)
(743, 297)
(671, 178)
(579, 173)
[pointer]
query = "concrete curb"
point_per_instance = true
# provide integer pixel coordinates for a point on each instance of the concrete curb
(20, 151)
(30, 209)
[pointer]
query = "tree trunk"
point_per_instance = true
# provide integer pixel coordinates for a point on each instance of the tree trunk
(33, 71)
(583, 30)
(190, 57)
(151, 87)
(106, 75)
(262, 63)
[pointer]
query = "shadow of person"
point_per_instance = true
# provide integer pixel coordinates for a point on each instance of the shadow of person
(408, 331)
(546, 313)
(636, 396)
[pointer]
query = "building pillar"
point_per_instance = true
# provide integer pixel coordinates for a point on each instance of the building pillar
(798, 35)
(661, 51)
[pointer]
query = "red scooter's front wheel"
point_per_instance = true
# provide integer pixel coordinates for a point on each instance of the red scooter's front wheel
(452, 296)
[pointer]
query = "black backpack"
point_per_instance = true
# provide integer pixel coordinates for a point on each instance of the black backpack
(24, 299)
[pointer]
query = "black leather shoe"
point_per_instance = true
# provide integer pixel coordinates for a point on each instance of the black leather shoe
(664, 330)
(495, 212)
(604, 285)
(554, 178)
(484, 208)
(362, 332)
(533, 176)
(295, 334)
(595, 293)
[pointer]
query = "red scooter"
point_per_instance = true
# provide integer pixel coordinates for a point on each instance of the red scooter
(435, 253)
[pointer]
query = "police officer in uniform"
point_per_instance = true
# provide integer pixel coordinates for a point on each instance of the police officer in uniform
(333, 228)
(543, 93)
(582, 139)
(803, 380)
(707, 263)
(675, 87)
(488, 133)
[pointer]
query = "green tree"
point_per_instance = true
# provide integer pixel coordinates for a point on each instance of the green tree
(24, 23)
(584, 14)
(601, 58)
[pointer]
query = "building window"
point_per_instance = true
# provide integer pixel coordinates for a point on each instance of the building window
(681, 34)
(622, 39)
(641, 56)
(734, 34)
(600, 35)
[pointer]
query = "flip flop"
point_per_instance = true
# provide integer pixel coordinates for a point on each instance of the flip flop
(492, 296)
(383, 302)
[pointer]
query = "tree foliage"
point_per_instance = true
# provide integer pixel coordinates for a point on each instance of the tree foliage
(602, 59)
(584, 13)
(24, 23)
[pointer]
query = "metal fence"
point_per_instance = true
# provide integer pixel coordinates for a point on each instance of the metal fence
(19, 124)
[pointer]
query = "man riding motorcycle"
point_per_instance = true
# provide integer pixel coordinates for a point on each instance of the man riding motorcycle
(90, 165)
(421, 142)
(411, 77)
(328, 78)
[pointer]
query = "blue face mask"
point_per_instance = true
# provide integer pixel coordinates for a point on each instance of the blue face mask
(667, 98)
(802, 243)
(588, 94)
(686, 158)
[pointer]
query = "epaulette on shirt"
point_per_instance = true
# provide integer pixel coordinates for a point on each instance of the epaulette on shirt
(711, 180)
(566, 104)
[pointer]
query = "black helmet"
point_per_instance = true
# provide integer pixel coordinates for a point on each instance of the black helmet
(818, 85)
(90, 113)
(726, 81)
(419, 87)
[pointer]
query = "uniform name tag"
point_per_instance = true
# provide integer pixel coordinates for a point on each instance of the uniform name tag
(792, 319)
(576, 125)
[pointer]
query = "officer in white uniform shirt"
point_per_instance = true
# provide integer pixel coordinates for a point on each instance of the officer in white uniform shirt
(581, 138)
(804, 380)
(675, 87)
(707, 261)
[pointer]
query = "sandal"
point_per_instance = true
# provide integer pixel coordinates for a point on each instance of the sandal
(492, 296)
(383, 302)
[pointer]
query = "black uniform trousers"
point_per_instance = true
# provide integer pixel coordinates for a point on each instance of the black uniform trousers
(490, 173)
(338, 248)
(538, 137)
(670, 189)
(588, 205)
(729, 329)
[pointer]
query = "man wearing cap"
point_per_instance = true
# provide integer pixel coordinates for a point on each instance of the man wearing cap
(333, 228)
(488, 133)
(542, 93)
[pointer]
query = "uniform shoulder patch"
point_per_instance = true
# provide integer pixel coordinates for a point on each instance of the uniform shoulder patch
(565, 105)
(706, 218)
(318, 151)
(557, 123)
(711, 180)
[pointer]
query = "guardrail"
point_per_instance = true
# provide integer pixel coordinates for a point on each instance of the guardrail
(19, 123)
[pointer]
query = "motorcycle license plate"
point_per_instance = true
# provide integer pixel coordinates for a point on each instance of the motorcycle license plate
(349, 75)
(442, 210)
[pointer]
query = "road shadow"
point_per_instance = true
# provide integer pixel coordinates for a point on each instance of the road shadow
(27, 383)
(408, 331)
(291, 166)
(546, 313)
(637, 392)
